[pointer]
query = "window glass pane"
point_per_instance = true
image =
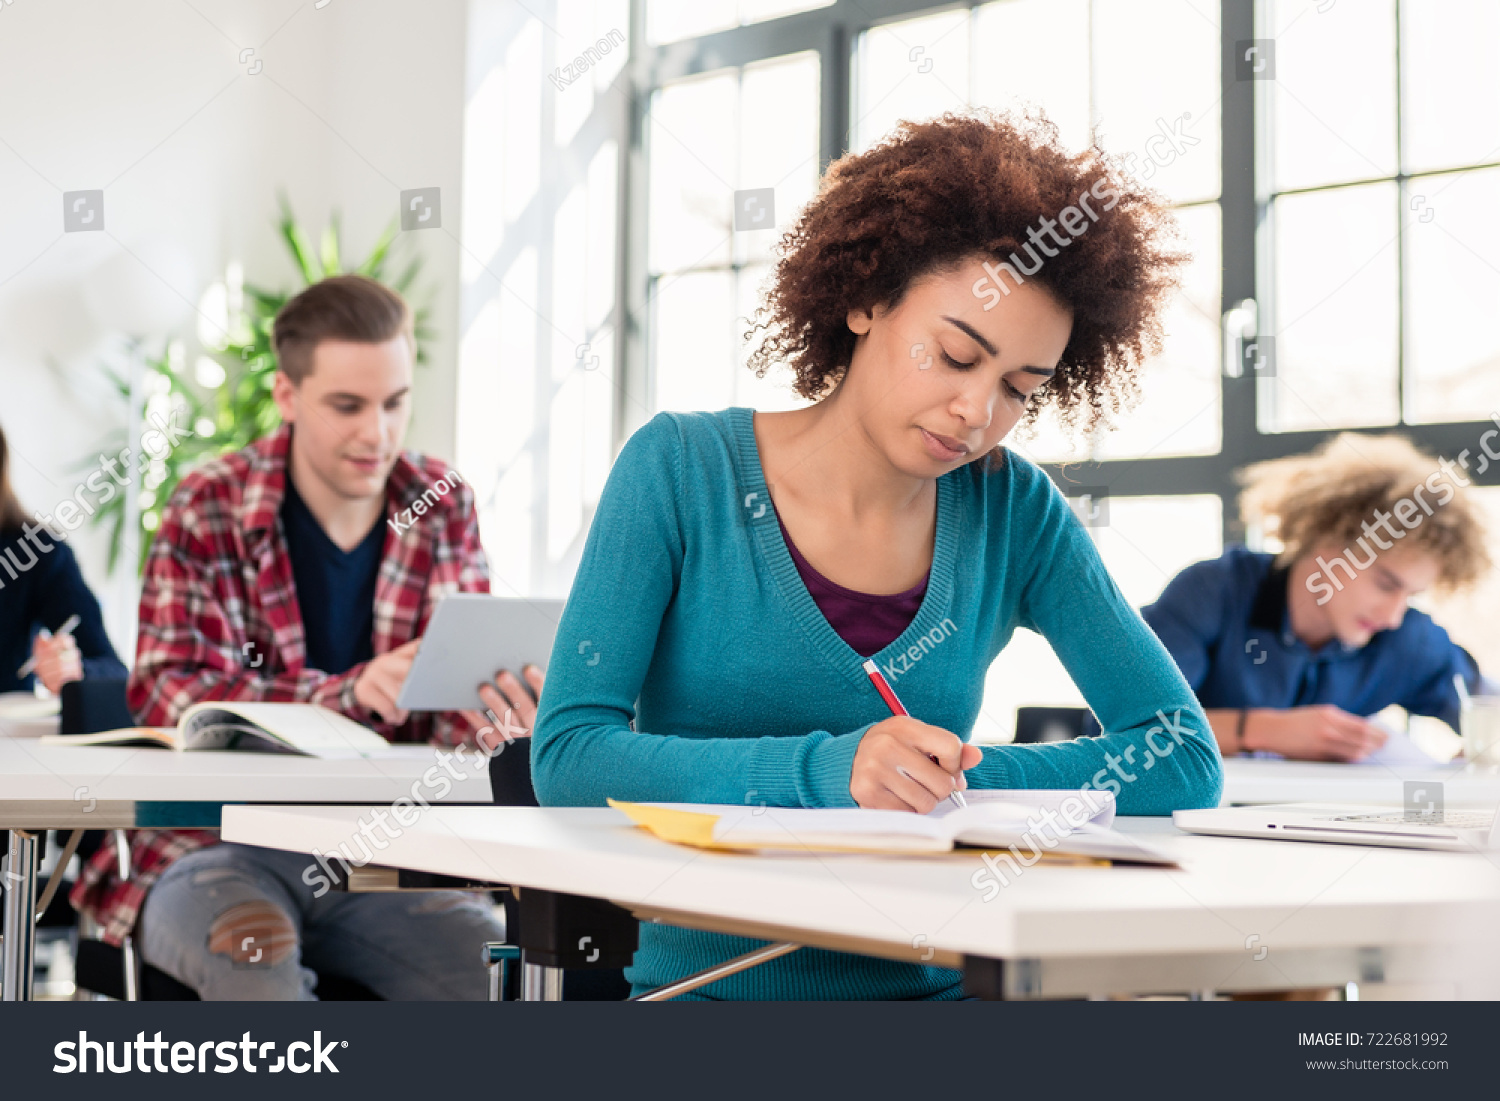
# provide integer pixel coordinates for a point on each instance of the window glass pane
(1334, 324)
(1048, 442)
(693, 153)
(758, 128)
(592, 38)
(1179, 412)
(1333, 101)
(913, 70)
(778, 142)
(1453, 281)
(1010, 73)
(693, 351)
(1147, 542)
(1450, 82)
(1157, 93)
(775, 390)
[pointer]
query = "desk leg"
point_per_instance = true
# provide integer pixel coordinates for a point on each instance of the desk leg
(20, 918)
(540, 984)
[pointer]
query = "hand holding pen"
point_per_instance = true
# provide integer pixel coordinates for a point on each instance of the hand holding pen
(54, 657)
(905, 764)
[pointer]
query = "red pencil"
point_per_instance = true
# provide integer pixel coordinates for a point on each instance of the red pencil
(887, 693)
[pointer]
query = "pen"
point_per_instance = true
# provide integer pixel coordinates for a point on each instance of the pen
(887, 693)
(66, 629)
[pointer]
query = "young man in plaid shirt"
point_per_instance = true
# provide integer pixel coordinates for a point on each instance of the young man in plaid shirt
(298, 569)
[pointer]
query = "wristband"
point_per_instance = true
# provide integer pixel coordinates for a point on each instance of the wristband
(1240, 732)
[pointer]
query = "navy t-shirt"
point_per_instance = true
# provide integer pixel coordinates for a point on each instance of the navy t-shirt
(1225, 622)
(335, 587)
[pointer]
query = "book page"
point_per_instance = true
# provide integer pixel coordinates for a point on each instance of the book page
(801, 828)
(1098, 806)
(306, 728)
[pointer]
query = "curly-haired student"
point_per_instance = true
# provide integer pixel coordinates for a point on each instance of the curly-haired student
(742, 566)
(1290, 652)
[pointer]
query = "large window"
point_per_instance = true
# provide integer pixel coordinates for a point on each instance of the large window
(1331, 167)
(732, 154)
(1381, 171)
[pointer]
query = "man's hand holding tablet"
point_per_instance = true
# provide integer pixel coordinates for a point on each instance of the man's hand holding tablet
(478, 651)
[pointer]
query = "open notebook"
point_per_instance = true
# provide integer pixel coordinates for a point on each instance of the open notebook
(303, 728)
(992, 820)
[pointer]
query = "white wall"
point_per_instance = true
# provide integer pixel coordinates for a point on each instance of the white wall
(150, 102)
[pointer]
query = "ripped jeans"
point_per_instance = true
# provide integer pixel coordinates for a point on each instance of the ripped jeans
(239, 923)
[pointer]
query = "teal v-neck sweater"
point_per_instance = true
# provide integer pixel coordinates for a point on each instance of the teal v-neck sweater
(691, 664)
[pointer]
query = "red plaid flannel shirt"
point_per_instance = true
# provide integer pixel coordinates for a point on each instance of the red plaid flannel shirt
(219, 620)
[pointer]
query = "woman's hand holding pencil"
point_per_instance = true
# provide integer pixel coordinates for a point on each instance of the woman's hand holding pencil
(903, 764)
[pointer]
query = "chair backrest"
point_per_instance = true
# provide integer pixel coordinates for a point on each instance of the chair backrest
(510, 776)
(93, 704)
(1054, 724)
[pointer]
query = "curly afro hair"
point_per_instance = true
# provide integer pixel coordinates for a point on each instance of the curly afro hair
(933, 195)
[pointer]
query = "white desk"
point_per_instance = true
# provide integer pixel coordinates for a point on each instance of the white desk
(70, 787)
(1316, 915)
(1263, 780)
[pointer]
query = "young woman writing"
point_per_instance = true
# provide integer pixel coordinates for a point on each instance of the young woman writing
(741, 566)
(1289, 652)
(41, 589)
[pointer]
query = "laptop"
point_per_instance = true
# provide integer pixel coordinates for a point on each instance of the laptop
(1429, 826)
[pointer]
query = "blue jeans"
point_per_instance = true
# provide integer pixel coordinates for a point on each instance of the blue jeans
(239, 923)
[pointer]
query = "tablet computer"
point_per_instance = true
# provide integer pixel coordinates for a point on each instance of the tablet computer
(471, 637)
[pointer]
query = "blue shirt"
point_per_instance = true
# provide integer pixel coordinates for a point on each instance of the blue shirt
(688, 619)
(1226, 623)
(41, 586)
(335, 587)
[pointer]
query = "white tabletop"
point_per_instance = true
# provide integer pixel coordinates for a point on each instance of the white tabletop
(1288, 896)
(43, 786)
(1266, 780)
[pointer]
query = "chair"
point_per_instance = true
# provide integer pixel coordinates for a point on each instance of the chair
(87, 706)
(1054, 724)
(540, 916)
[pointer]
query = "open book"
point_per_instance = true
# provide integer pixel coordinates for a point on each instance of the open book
(303, 728)
(1032, 820)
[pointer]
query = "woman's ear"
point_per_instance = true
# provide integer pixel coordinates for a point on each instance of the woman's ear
(859, 321)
